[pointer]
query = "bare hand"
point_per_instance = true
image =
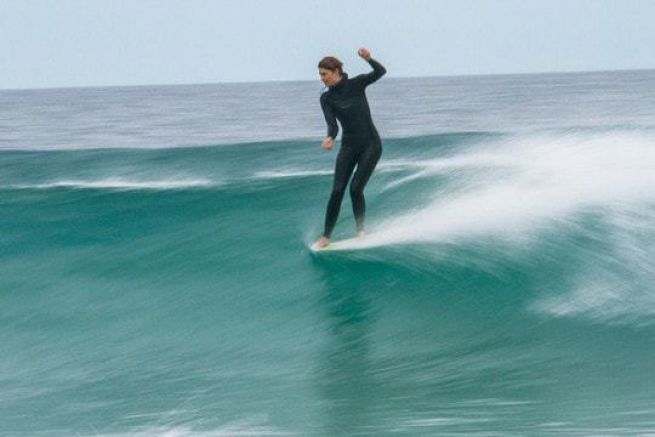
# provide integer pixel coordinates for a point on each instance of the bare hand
(328, 143)
(364, 53)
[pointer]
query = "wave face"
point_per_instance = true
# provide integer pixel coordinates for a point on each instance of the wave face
(504, 287)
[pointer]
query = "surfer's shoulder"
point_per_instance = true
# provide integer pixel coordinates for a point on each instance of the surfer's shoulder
(324, 95)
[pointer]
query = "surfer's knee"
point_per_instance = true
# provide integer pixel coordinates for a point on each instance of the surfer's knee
(338, 189)
(356, 189)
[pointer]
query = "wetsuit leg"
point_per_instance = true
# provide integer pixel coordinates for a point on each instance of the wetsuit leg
(345, 165)
(368, 159)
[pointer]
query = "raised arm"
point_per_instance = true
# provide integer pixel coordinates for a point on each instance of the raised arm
(378, 69)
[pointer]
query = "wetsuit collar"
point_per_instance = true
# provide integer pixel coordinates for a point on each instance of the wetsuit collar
(344, 78)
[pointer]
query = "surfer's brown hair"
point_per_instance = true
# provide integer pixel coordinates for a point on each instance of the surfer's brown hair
(331, 63)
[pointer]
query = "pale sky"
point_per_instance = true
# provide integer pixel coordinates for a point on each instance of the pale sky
(63, 43)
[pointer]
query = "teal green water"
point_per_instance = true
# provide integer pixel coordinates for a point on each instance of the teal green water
(171, 292)
(505, 287)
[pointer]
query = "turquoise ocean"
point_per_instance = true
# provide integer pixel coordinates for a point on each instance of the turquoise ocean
(155, 277)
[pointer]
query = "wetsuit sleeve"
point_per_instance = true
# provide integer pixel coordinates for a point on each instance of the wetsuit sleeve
(369, 78)
(330, 119)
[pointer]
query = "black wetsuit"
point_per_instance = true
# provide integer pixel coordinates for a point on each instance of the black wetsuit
(360, 142)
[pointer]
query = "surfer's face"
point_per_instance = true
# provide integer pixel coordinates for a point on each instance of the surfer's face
(329, 77)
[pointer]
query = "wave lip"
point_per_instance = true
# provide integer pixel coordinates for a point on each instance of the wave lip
(290, 174)
(521, 184)
(122, 184)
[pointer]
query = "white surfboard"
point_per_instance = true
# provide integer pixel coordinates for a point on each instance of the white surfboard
(349, 244)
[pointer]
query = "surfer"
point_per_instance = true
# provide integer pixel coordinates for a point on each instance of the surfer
(345, 100)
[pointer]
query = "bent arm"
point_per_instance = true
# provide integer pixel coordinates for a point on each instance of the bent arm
(377, 73)
(330, 118)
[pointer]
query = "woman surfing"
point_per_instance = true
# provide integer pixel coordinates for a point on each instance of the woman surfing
(345, 100)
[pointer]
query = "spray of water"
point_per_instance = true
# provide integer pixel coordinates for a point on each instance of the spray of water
(523, 184)
(520, 190)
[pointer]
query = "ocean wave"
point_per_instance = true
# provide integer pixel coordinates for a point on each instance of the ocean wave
(284, 174)
(120, 184)
(521, 184)
(588, 199)
(185, 431)
(613, 283)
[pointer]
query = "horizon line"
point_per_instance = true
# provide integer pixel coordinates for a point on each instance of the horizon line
(270, 81)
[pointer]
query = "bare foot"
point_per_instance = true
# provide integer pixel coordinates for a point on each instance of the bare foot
(321, 243)
(361, 234)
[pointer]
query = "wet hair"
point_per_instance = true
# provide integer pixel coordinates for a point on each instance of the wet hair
(331, 63)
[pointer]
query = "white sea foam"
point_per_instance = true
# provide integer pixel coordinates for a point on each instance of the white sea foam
(121, 184)
(448, 421)
(233, 429)
(522, 184)
(522, 187)
(283, 174)
(613, 285)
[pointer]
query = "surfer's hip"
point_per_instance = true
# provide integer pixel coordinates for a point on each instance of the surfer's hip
(361, 142)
